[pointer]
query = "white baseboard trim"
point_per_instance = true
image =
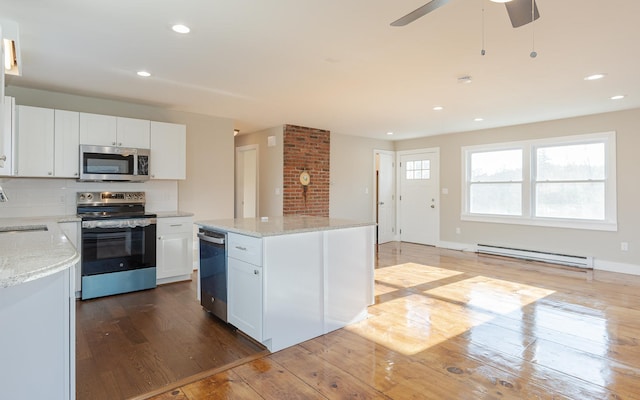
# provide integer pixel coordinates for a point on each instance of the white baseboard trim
(457, 246)
(613, 266)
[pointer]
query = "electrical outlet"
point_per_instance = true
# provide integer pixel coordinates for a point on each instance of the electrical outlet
(624, 246)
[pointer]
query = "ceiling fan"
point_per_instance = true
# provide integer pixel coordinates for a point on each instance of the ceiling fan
(520, 11)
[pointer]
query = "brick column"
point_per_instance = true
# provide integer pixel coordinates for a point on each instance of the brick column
(306, 149)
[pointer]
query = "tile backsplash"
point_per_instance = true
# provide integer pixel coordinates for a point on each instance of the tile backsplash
(32, 197)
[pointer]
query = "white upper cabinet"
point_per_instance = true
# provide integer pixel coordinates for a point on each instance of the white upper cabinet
(99, 130)
(133, 132)
(107, 130)
(47, 142)
(168, 151)
(7, 136)
(35, 141)
(67, 144)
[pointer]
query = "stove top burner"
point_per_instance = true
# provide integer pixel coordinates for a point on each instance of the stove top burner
(111, 205)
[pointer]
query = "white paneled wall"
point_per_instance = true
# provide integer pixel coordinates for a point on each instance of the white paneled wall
(48, 197)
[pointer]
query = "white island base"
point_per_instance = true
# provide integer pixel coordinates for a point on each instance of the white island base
(295, 278)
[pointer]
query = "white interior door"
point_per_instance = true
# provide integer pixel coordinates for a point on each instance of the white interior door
(419, 197)
(386, 207)
(247, 181)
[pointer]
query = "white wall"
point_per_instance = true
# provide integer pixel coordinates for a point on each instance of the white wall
(270, 167)
(352, 187)
(208, 189)
(603, 246)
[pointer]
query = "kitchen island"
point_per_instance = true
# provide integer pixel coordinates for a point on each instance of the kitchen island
(37, 309)
(294, 278)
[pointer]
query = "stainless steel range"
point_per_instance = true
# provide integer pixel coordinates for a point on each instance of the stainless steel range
(118, 243)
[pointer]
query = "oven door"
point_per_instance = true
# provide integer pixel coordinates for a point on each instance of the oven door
(120, 245)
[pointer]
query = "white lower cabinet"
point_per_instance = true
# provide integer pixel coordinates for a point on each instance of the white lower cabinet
(245, 297)
(174, 249)
(38, 338)
(286, 289)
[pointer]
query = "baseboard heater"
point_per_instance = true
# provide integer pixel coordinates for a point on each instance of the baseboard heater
(533, 255)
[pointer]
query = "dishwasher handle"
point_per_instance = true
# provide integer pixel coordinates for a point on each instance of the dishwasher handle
(210, 239)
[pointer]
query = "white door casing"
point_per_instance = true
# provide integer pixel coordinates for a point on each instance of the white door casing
(385, 190)
(247, 181)
(419, 200)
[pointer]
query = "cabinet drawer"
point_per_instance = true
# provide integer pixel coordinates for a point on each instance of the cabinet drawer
(174, 225)
(245, 248)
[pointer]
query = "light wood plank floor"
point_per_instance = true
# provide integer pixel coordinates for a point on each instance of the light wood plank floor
(453, 325)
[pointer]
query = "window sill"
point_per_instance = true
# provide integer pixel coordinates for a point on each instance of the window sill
(544, 222)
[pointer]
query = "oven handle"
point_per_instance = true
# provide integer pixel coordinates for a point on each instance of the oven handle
(119, 223)
(210, 239)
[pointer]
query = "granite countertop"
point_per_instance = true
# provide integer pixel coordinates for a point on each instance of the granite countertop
(33, 248)
(171, 214)
(272, 226)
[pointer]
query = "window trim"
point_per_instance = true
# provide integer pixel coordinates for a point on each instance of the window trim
(528, 170)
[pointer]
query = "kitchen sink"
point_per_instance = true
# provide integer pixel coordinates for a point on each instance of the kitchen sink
(26, 228)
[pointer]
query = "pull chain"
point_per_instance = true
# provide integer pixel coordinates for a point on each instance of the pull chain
(533, 53)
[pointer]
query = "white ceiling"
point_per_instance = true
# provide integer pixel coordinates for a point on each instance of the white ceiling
(336, 64)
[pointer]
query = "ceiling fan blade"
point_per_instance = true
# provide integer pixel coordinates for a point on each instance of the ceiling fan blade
(419, 12)
(520, 12)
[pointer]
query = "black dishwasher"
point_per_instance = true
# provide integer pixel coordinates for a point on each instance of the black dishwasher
(213, 272)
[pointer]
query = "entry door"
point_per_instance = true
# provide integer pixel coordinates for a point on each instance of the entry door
(246, 181)
(419, 201)
(386, 207)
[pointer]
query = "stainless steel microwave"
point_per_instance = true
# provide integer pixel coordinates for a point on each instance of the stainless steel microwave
(107, 163)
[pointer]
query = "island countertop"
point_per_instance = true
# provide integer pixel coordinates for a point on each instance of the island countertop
(273, 226)
(33, 248)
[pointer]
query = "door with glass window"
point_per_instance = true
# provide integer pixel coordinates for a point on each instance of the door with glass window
(419, 211)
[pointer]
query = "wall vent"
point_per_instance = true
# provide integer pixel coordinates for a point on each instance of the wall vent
(533, 255)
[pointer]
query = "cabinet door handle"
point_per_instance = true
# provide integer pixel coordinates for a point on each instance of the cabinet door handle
(241, 248)
(3, 158)
(175, 225)
(256, 272)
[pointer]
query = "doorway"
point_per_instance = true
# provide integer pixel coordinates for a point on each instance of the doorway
(246, 205)
(419, 200)
(385, 195)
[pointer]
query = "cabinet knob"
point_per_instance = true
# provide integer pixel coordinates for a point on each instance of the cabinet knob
(75, 174)
(49, 173)
(120, 144)
(159, 237)
(256, 272)
(113, 143)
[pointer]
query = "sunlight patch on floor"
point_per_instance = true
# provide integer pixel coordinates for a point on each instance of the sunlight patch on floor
(414, 322)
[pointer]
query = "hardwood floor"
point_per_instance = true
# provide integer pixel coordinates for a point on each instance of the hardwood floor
(453, 325)
(131, 344)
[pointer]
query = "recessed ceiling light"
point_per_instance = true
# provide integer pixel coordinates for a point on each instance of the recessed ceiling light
(617, 97)
(389, 133)
(144, 74)
(478, 119)
(438, 108)
(181, 28)
(594, 77)
(502, 1)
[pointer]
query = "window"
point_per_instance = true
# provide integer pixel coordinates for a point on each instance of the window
(419, 169)
(565, 182)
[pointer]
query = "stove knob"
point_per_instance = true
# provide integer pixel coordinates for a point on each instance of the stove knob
(89, 196)
(82, 196)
